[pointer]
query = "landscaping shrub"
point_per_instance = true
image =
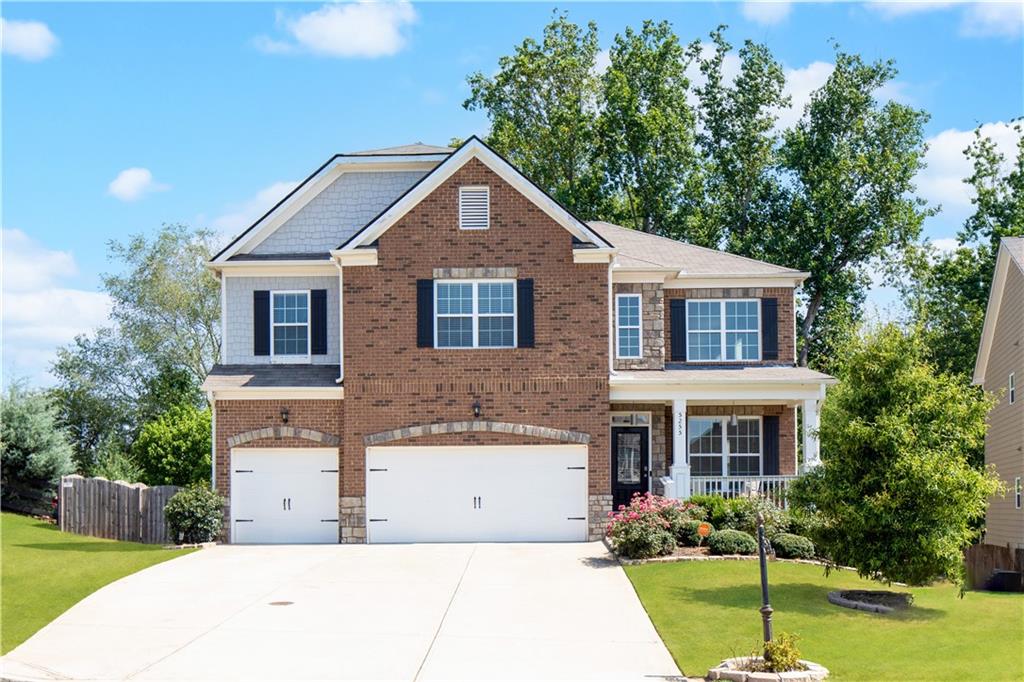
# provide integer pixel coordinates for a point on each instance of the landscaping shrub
(731, 541)
(803, 522)
(712, 506)
(781, 654)
(646, 528)
(741, 514)
(687, 535)
(194, 514)
(789, 546)
(174, 448)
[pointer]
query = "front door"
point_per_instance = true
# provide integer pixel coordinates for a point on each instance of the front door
(630, 463)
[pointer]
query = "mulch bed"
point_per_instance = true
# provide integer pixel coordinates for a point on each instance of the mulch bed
(894, 600)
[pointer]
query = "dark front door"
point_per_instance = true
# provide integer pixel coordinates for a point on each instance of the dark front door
(630, 463)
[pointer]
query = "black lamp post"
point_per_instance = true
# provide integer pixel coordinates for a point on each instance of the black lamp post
(766, 607)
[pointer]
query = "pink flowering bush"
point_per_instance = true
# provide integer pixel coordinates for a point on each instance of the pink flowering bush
(647, 527)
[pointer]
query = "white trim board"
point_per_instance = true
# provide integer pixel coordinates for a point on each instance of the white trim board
(995, 301)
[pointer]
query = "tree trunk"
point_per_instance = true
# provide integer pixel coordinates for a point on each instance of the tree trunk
(805, 329)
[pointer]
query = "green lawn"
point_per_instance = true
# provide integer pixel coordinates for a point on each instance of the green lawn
(45, 572)
(707, 610)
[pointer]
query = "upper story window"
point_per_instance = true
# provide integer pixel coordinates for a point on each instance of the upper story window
(1012, 386)
(289, 326)
(627, 320)
(474, 208)
(723, 330)
(475, 314)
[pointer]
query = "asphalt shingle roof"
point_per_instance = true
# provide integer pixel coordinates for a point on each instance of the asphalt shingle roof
(1015, 245)
(415, 148)
(641, 250)
(271, 376)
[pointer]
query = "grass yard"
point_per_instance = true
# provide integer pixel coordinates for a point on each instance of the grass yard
(707, 610)
(45, 572)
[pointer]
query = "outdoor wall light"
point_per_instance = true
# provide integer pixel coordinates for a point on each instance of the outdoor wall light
(476, 409)
(284, 415)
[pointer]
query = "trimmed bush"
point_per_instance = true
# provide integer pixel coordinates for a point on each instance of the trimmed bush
(713, 506)
(730, 541)
(687, 535)
(789, 546)
(194, 514)
(741, 514)
(644, 529)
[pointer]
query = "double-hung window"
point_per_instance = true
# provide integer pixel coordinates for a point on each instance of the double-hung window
(727, 331)
(475, 314)
(717, 447)
(289, 326)
(627, 318)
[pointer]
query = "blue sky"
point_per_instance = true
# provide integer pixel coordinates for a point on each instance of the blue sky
(120, 117)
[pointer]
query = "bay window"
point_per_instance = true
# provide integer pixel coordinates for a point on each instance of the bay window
(723, 330)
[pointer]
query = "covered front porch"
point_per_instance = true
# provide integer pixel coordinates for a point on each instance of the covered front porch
(714, 431)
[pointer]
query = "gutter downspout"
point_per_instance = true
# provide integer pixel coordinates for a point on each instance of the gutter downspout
(213, 440)
(611, 319)
(341, 323)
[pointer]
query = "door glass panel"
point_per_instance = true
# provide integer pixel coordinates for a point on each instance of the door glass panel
(628, 457)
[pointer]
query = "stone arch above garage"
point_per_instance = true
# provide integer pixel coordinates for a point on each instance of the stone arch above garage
(477, 426)
(284, 432)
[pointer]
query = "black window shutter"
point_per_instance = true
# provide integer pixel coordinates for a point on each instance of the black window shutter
(425, 313)
(318, 322)
(769, 329)
(524, 308)
(261, 323)
(771, 446)
(677, 324)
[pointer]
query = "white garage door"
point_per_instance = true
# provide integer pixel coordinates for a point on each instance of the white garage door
(287, 495)
(476, 493)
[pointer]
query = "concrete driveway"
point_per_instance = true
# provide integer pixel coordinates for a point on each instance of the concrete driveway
(398, 612)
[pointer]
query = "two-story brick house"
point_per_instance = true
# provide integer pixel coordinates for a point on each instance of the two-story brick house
(419, 344)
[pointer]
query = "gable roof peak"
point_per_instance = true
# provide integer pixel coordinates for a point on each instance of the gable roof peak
(412, 149)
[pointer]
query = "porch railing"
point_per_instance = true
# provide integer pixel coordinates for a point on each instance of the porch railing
(772, 487)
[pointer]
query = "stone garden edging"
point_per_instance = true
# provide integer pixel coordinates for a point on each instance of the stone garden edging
(728, 670)
(838, 599)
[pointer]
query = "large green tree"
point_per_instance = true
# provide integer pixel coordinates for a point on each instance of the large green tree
(647, 127)
(949, 292)
(897, 493)
(174, 448)
(542, 104)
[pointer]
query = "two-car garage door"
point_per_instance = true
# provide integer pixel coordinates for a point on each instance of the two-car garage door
(476, 493)
(414, 494)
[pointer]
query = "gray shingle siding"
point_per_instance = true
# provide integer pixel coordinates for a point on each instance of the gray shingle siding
(334, 215)
(238, 348)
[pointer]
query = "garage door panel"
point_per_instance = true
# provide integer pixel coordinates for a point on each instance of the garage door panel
(284, 495)
(467, 493)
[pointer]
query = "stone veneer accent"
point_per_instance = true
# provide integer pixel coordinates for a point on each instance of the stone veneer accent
(598, 508)
(475, 273)
(284, 432)
(652, 325)
(563, 435)
(352, 520)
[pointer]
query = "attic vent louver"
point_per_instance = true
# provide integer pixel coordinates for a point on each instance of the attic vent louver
(474, 208)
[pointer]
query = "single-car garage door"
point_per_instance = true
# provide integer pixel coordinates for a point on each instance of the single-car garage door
(285, 495)
(476, 493)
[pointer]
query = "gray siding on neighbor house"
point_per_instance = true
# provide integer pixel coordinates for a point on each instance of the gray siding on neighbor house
(1004, 442)
(238, 348)
(334, 215)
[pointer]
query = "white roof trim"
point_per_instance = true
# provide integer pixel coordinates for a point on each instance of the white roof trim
(473, 148)
(995, 300)
(316, 184)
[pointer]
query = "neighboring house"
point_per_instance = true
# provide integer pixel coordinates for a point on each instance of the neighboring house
(419, 344)
(1000, 370)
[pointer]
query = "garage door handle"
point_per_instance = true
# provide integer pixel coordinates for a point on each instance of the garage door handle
(243, 520)
(577, 468)
(576, 518)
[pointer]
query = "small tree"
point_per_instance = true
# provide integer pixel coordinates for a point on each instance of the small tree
(896, 494)
(174, 448)
(34, 452)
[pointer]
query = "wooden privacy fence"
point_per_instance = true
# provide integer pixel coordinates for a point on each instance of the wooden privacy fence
(983, 560)
(131, 512)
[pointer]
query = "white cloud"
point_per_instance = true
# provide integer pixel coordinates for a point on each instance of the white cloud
(945, 244)
(132, 183)
(766, 12)
(239, 216)
(800, 85)
(30, 40)
(984, 19)
(40, 313)
(602, 62)
(355, 29)
(942, 182)
(978, 19)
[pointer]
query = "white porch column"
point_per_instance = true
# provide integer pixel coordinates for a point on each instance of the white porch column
(680, 460)
(812, 453)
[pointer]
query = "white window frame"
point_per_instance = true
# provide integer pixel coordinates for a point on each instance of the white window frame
(288, 358)
(1017, 492)
(723, 332)
(639, 327)
(1011, 384)
(476, 314)
(475, 188)
(726, 453)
